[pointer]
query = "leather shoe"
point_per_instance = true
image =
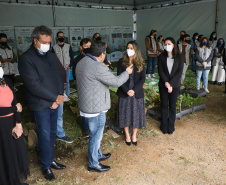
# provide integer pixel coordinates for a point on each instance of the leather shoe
(48, 174)
(57, 166)
(134, 143)
(99, 168)
(128, 143)
(105, 157)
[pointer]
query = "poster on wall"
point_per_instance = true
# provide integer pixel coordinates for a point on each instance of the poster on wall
(76, 35)
(55, 30)
(104, 32)
(116, 38)
(127, 35)
(119, 36)
(23, 38)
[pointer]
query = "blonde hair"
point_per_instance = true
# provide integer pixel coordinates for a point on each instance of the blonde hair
(138, 60)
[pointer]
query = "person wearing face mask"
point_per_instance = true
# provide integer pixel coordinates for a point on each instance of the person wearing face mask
(93, 81)
(170, 67)
(7, 54)
(193, 48)
(152, 50)
(14, 160)
(131, 111)
(213, 39)
(185, 50)
(203, 55)
(182, 33)
(43, 79)
(218, 72)
(199, 40)
(65, 54)
(84, 49)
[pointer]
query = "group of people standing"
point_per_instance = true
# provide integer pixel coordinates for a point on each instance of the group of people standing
(45, 74)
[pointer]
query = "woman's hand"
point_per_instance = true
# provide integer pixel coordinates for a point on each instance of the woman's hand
(18, 130)
(167, 84)
(170, 89)
(131, 93)
(19, 107)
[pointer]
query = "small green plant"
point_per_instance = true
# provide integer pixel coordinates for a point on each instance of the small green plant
(190, 83)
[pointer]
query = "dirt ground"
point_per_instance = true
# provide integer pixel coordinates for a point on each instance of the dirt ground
(195, 153)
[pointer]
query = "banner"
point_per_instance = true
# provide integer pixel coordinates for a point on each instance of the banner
(23, 38)
(76, 35)
(116, 38)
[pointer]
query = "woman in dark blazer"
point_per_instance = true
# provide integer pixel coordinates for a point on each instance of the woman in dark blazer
(170, 67)
(131, 95)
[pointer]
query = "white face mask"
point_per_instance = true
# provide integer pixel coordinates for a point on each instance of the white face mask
(1, 72)
(130, 52)
(196, 38)
(168, 48)
(43, 47)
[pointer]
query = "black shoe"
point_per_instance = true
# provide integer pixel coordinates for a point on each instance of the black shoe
(170, 133)
(99, 168)
(128, 143)
(220, 83)
(48, 174)
(65, 139)
(105, 157)
(134, 143)
(57, 166)
(85, 132)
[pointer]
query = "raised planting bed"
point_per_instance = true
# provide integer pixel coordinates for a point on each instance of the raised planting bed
(193, 93)
(156, 115)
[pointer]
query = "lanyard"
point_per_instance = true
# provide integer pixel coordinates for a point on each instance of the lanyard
(91, 56)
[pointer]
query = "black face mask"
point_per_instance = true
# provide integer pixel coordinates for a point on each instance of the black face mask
(3, 44)
(86, 50)
(188, 41)
(98, 38)
(61, 39)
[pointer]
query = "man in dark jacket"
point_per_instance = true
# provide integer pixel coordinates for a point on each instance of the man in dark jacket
(43, 80)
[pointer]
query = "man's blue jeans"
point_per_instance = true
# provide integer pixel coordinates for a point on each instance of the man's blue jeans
(60, 130)
(193, 61)
(204, 74)
(96, 128)
(46, 125)
(85, 125)
(68, 71)
(153, 61)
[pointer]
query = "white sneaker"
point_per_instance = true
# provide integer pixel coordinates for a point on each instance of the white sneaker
(153, 75)
(148, 76)
(206, 90)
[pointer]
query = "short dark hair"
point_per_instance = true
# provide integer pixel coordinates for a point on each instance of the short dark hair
(184, 36)
(3, 35)
(201, 43)
(183, 31)
(175, 50)
(94, 35)
(97, 48)
(40, 30)
(59, 32)
(84, 41)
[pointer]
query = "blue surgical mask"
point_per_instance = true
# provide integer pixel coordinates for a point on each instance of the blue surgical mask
(221, 43)
(204, 43)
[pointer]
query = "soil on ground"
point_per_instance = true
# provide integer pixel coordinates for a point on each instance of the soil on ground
(194, 154)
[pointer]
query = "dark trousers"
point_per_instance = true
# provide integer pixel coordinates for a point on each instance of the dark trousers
(168, 115)
(46, 125)
(11, 78)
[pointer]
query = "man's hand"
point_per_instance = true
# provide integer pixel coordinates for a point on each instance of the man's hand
(54, 105)
(131, 93)
(204, 64)
(19, 107)
(18, 130)
(60, 99)
(130, 69)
